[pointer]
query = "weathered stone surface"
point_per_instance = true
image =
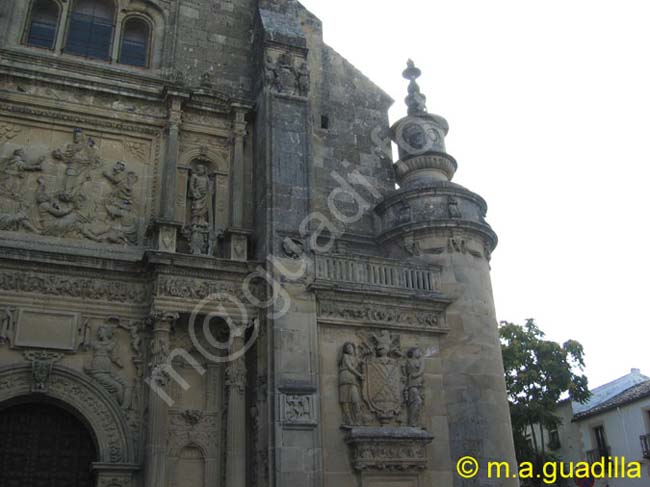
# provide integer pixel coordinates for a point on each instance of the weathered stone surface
(208, 261)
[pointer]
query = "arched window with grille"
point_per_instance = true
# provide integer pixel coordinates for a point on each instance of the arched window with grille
(135, 44)
(43, 24)
(90, 32)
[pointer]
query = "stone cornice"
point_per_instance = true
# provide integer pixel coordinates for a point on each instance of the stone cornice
(447, 225)
(441, 188)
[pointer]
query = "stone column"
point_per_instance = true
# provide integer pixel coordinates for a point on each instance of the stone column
(236, 424)
(237, 236)
(159, 401)
(166, 226)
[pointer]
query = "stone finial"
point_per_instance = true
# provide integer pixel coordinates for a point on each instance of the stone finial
(415, 101)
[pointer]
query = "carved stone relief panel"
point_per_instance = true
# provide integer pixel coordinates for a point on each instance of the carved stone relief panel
(378, 382)
(298, 410)
(287, 72)
(76, 184)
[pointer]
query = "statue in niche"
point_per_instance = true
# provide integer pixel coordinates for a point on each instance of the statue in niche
(80, 158)
(104, 349)
(452, 208)
(414, 384)
(350, 378)
(200, 194)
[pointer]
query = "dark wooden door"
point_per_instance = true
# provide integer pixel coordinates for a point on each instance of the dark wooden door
(44, 446)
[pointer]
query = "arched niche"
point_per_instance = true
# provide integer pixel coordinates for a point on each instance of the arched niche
(189, 466)
(82, 397)
(217, 167)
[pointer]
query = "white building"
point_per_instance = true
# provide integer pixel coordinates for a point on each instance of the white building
(614, 423)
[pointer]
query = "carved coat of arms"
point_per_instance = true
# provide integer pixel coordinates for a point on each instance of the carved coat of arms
(384, 379)
(377, 379)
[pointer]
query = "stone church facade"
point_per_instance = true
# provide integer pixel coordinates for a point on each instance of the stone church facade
(213, 273)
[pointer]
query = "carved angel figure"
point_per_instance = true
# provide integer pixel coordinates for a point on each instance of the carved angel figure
(414, 384)
(349, 385)
(104, 349)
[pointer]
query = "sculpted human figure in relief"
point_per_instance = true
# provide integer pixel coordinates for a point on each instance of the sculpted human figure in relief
(201, 216)
(414, 384)
(104, 349)
(80, 157)
(349, 385)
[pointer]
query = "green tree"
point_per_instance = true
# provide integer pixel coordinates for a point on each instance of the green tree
(538, 372)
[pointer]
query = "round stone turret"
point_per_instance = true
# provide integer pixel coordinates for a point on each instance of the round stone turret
(420, 139)
(431, 220)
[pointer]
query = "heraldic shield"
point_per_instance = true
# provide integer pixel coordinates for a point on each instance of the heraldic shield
(383, 387)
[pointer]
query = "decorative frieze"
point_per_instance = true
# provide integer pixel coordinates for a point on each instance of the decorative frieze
(382, 314)
(388, 449)
(74, 287)
(194, 288)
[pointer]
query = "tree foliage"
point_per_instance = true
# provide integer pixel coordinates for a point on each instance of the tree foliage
(538, 372)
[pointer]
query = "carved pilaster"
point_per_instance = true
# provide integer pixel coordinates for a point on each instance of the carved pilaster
(236, 424)
(166, 232)
(156, 449)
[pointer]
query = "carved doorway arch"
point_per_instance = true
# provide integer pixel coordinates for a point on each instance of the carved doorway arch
(44, 445)
(84, 398)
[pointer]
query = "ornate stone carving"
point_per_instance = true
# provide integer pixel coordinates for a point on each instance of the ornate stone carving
(79, 119)
(202, 431)
(350, 378)
(92, 401)
(8, 131)
(7, 324)
(414, 385)
(192, 416)
(193, 288)
(304, 79)
(298, 409)
(383, 382)
(293, 248)
(101, 367)
(74, 208)
(80, 158)
(236, 375)
(287, 74)
(14, 210)
(376, 382)
(383, 315)
(139, 149)
(42, 362)
(200, 193)
(74, 287)
(452, 208)
(388, 449)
